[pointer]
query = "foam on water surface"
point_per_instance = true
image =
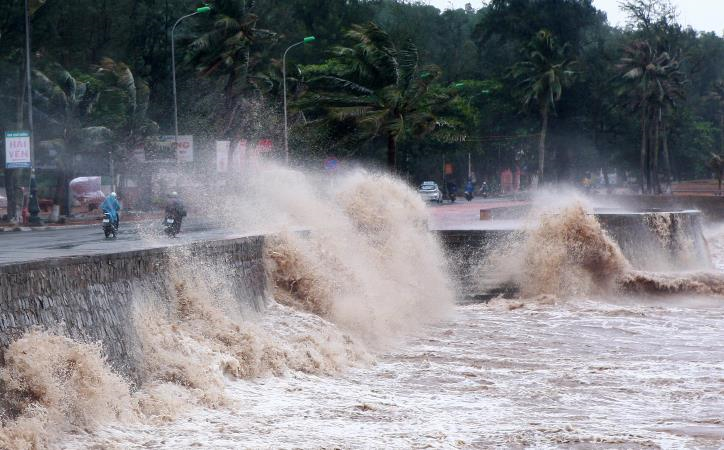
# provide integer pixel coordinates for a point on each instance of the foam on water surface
(365, 349)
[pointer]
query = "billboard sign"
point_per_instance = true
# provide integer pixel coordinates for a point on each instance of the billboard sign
(17, 150)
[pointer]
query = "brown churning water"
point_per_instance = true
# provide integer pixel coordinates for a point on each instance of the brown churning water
(363, 347)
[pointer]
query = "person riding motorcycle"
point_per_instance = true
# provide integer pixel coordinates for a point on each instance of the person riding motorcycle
(111, 206)
(469, 189)
(175, 209)
(484, 190)
(452, 190)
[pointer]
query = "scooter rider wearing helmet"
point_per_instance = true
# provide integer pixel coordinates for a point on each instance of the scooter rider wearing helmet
(175, 209)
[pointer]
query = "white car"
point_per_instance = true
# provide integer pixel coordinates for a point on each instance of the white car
(430, 192)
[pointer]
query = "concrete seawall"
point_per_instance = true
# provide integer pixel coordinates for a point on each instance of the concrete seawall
(92, 298)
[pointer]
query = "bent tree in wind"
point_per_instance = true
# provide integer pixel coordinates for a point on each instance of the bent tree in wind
(374, 89)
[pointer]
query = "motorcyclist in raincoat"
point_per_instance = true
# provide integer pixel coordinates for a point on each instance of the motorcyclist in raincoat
(111, 206)
(175, 209)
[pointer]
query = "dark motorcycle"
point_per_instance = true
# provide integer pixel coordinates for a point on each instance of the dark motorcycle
(452, 191)
(484, 190)
(109, 227)
(469, 188)
(172, 226)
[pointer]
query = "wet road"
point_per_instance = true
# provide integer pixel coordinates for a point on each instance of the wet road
(464, 215)
(88, 240)
(29, 246)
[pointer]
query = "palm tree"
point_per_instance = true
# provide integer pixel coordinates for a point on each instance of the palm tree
(228, 50)
(123, 107)
(542, 77)
(376, 90)
(668, 88)
(653, 83)
(63, 106)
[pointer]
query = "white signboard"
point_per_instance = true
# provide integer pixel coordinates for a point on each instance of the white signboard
(222, 156)
(17, 150)
(185, 149)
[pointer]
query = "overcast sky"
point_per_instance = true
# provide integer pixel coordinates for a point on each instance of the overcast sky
(702, 15)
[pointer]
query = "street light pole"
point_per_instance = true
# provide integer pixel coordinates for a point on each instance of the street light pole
(306, 40)
(33, 207)
(203, 9)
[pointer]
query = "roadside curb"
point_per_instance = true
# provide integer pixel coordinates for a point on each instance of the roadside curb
(16, 229)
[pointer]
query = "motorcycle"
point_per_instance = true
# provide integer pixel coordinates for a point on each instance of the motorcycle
(484, 190)
(172, 226)
(468, 192)
(109, 227)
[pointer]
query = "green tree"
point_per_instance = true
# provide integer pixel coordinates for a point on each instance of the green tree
(653, 83)
(376, 89)
(122, 107)
(542, 77)
(230, 47)
(716, 96)
(64, 105)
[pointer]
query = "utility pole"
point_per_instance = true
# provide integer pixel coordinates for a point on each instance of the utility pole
(33, 207)
(306, 40)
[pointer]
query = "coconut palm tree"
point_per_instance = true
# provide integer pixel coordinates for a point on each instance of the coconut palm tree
(123, 107)
(375, 90)
(542, 76)
(228, 49)
(64, 105)
(652, 84)
(668, 89)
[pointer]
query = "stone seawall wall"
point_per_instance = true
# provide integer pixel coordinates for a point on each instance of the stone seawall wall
(711, 207)
(92, 298)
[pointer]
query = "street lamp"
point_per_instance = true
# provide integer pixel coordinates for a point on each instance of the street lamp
(33, 208)
(306, 40)
(203, 9)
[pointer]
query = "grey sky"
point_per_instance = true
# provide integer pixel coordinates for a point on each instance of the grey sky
(702, 15)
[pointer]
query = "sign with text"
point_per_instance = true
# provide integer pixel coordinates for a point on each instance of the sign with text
(264, 146)
(185, 149)
(163, 148)
(17, 150)
(222, 156)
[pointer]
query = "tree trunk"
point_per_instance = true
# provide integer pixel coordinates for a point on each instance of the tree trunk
(667, 157)
(644, 146)
(61, 187)
(602, 157)
(391, 153)
(721, 132)
(655, 156)
(542, 142)
(11, 174)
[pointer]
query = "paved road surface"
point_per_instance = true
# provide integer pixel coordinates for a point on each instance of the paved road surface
(35, 245)
(464, 215)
